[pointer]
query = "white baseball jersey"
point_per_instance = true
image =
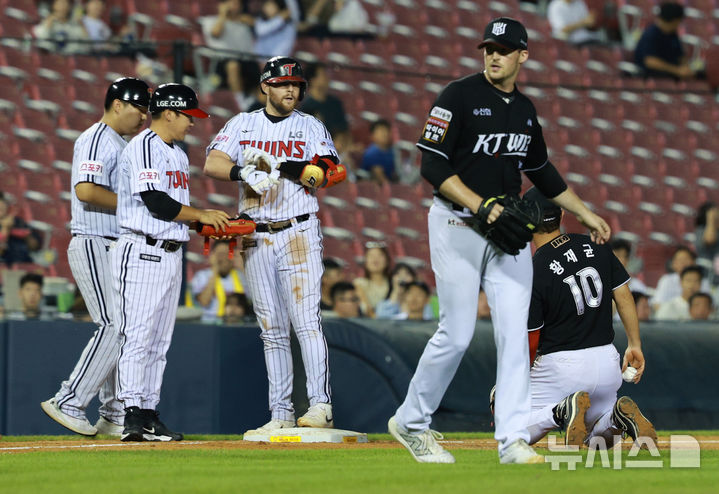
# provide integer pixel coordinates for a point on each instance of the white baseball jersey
(297, 137)
(148, 163)
(95, 160)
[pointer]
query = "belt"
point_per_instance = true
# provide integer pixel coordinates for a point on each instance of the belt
(454, 206)
(278, 226)
(166, 245)
(114, 239)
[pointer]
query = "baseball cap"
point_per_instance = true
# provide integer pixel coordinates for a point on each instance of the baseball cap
(177, 97)
(505, 31)
(550, 211)
(669, 11)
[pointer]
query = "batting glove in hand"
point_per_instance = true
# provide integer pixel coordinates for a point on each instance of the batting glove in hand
(259, 181)
(513, 228)
(260, 159)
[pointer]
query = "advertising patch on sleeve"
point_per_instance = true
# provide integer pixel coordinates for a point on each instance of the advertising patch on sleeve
(437, 124)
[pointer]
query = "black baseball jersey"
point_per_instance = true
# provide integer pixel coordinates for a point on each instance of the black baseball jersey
(487, 135)
(572, 293)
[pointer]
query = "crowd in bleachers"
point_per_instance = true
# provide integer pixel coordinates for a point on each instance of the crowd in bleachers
(641, 151)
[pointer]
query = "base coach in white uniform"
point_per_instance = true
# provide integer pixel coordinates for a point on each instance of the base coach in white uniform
(481, 133)
(152, 210)
(94, 228)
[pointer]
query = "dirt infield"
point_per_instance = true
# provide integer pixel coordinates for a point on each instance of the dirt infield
(706, 443)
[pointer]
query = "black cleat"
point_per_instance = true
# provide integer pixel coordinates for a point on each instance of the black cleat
(155, 430)
(629, 419)
(569, 415)
(134, 423)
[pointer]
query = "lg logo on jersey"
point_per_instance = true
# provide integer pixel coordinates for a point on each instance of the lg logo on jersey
(296, 135)
(513, 145)
(178, 179)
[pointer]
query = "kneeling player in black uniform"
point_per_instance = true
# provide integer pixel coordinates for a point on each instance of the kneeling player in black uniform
(576, 374)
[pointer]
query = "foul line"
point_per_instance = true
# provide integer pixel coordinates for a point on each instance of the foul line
(78, 446)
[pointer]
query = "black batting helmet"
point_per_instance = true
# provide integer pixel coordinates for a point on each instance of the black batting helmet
(281, 69)
(130, 90)
(177, 97)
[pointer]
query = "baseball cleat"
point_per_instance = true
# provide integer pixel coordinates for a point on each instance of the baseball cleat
(75, 424)
(155, 430)
(569, 415)
(134, 423)
(273, 425)
(520, 452)
(105, 426)
(629, 419)
(423, 446)
(319, 415)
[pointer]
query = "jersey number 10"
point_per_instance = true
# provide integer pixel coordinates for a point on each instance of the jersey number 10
(585, 294)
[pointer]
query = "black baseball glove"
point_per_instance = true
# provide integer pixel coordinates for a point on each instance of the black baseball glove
(514, 227)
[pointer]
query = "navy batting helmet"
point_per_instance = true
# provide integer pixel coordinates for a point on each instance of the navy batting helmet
(177, 97)
(281, 69)
(550, 211)
(130, 90)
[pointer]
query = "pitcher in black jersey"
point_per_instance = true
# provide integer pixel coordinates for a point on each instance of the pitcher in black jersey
(576, 373)
(481, 133)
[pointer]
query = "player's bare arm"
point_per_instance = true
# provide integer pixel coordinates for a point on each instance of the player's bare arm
(600, 230)
(456, 191)
(96, 195)
(628, 313)
(216, 218)
(218, 165)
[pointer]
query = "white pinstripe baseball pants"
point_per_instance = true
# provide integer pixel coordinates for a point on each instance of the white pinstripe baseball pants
(95, 370)
(146, 281)
(283, 275)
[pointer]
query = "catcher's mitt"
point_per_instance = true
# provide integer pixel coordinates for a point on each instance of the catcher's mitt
(242, 225)
(515, 225)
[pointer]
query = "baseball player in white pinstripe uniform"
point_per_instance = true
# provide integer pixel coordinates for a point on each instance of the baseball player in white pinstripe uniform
(152, 207)
(94, 228)
(283, 260)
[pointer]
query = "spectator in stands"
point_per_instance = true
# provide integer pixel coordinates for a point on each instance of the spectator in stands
(211, 286)
(484, 313)
(345, 301)
(677, 309)
(317, 16)
(95, 27)
(414, 302)
(275, 30)
(573, 21)
(332, 274)
(701, 307)
(60, 25)
(623, 250)
(707, 239)
(17, 240)
(659, 52)
(375, 285)
(330, 110)
(402, 275)
(231, 30)
(237, 309)
(379, 158)
(669, 285)
(644, 310)
(349, 17)
(31, 299)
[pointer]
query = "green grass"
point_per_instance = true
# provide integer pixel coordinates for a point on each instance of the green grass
(288, 469)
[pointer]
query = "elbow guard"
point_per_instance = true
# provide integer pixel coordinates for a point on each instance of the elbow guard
(548, 180)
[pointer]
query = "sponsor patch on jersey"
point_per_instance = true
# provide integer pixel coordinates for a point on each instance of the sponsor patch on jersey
(223, 137)
(150, 257)
(148, 177)
(456, 222)
(441, 113)
(91, 168)
(435, 130)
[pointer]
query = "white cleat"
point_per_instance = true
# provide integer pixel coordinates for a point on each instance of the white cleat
(319, 415)
(78, 425)
(520, 452)
(273, 425)
(423, 446)
(105, 426)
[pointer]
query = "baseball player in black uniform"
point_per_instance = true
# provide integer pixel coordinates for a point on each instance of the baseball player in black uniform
(576, 374)
(480, 135)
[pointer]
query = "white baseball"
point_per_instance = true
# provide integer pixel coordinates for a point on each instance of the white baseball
(628, 375)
